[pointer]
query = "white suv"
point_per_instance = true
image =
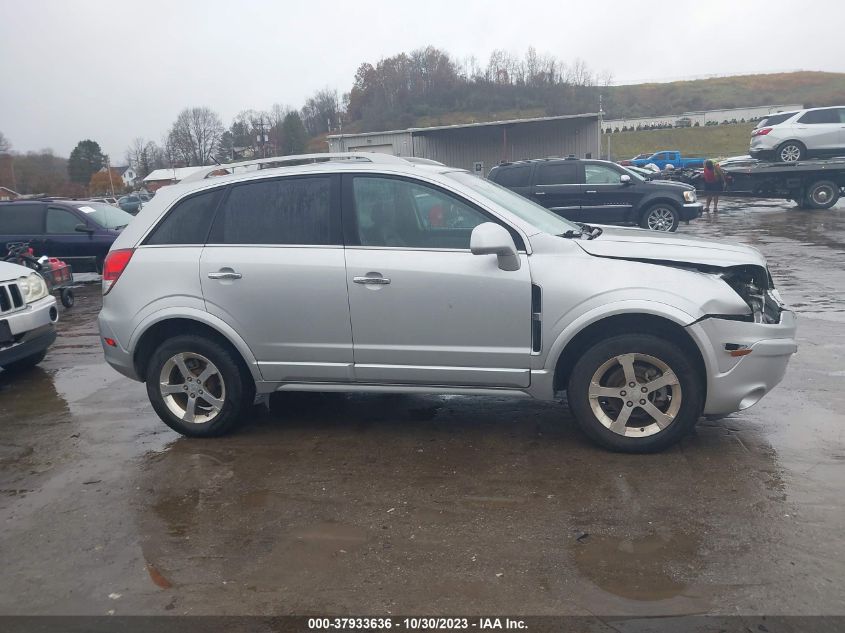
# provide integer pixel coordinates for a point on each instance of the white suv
(366, 272)
(791, 136)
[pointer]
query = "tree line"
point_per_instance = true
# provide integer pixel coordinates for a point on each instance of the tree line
(396, 91)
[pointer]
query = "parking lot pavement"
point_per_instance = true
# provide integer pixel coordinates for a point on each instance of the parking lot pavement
(431, 504)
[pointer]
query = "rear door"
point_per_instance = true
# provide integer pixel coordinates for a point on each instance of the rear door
(558, 187)
(274, 270)
(820, 129)
(606, 198)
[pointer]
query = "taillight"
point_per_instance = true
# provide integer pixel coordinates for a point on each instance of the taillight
(761, 132)
(116, 262)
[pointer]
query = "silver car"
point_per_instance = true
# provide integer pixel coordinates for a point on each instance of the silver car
(788, 137)
(366, 272)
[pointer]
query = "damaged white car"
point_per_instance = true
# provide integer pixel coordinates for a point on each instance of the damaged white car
(367, 272)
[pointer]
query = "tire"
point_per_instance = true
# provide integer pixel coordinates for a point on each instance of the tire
(822, 194)
(67, 297)
(27, 362)
(676, 407)
(790, 152)
(661, 217)
(219, 401)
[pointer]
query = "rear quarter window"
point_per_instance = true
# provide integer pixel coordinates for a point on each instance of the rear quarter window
(21, 219)
(512, 176)
(189, 221)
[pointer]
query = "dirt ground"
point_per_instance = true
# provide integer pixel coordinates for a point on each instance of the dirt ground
(383, 504)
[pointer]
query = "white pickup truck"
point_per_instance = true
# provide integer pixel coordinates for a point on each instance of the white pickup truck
(27, 317)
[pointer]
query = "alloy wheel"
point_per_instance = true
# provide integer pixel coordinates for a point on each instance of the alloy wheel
(635, 395)
(790, 153)
(660, 219)
(192, 387)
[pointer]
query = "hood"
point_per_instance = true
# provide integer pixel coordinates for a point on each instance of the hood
(646, 245)
(10, 271)
(670, 183)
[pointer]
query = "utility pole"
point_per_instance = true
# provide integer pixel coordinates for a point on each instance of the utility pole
(108, 167)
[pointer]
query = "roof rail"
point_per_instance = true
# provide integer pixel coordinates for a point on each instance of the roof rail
(291, 161)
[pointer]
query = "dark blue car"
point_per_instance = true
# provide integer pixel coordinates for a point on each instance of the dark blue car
(77, 231)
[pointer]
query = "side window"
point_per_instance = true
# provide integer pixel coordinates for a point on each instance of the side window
(21, 219)
(558, 174)
(513, 176)
(188, 222)
(842, 115)
(814, 117)
(61, 221)
(600, 175)
(399, 213)
(280, 211)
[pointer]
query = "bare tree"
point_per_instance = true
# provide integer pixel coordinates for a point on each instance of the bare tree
(5, 144)
(195, 136)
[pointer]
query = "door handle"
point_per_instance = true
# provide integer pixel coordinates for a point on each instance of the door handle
(539, 193)
(380, 281)
(225, 275)
(591, 191)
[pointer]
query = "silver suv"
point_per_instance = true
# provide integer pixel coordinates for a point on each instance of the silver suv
(366, 272)
(792, 136)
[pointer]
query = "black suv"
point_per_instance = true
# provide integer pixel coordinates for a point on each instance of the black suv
(599, 191)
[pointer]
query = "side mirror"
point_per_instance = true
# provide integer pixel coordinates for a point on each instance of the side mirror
(83, 228)
(492, 239)
(625, 179)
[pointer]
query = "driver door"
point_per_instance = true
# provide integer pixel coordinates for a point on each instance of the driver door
(424, 309)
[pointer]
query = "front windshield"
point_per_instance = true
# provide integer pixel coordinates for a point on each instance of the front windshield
(634, 173)
(539, 217)
(105, 215)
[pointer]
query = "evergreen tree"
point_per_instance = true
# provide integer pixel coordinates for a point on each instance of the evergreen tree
(85, 160)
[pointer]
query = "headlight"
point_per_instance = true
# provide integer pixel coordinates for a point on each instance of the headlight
(755, 286)
(33, 287)
(689, 196)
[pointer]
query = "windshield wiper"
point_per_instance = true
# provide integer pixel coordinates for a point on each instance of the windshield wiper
(122, 226)
(570, 234)
(592, 231)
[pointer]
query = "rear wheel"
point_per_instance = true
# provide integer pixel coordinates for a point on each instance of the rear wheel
(661, 217)
(635, 393)
(197, 387)
(790, 152)
(822, 194)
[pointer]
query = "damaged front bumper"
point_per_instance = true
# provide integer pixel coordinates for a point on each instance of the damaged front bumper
(744, 360)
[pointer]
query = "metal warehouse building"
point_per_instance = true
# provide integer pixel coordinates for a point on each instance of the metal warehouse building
(480, 146)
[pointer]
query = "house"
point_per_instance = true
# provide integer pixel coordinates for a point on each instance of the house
(8, 194)
(127, 174)
(163, 177)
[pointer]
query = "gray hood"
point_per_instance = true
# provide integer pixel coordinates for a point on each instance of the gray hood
(643, 244)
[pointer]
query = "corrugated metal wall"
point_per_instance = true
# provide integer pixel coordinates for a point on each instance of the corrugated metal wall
(463, 147)
(400, 141)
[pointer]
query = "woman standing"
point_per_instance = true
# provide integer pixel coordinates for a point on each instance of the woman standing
(714, 184)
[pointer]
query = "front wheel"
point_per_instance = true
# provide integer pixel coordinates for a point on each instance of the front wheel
(197, 387)
(635, 393)
(661, 217)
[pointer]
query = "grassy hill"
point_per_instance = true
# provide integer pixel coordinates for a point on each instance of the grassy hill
(807, 87)
(717, 141)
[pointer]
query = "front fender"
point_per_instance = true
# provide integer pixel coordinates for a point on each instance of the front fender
(630, 306)
(201, 316)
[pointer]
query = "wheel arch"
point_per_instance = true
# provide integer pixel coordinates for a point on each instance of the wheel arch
(148, 336)
(662, 325)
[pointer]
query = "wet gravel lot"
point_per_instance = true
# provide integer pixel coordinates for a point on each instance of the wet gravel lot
(431, 504)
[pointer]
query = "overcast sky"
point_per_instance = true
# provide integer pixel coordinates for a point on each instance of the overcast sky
(113, 71)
